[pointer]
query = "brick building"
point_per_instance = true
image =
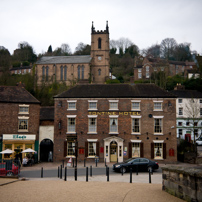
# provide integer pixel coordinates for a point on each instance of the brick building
(146, 68)
(115, 122)
(19, 118)
(71, 69)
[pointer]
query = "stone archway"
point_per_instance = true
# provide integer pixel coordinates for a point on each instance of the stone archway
(46, 146)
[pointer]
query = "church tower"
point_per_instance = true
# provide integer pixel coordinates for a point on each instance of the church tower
(100, 55)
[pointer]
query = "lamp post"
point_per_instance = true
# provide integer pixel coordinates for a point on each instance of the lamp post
(76, 154)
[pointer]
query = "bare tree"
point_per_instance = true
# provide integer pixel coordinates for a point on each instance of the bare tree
(168, 46)
(65, 49)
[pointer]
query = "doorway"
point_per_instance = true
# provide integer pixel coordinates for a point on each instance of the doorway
(46, 146)
(113, 151)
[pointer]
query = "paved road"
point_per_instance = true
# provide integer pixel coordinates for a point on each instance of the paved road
(70, 172)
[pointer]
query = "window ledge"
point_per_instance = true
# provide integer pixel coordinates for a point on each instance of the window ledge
(157, 110)
(23, 113)
(159, 159)
(113, 109)
(70, 157)
(135, 133)
(71, 109)
(136, 110)
(92, 109)
(111, 133)
(91, 157)
(158, 133)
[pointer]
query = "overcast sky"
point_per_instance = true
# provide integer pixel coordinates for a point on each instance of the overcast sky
(145, 22)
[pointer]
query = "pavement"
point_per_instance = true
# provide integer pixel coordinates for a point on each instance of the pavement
(97, 188)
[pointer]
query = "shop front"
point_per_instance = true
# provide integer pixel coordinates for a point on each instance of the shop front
(18, 143)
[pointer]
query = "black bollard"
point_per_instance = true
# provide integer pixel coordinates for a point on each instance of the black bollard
(58, 171)
(149, 176)
(75, 173)
(130, 175)
(61, 172)
(63, 163)
(65, 173)
(106, 170)
(96, 162)
(137, 170)
(42, 172)
(117, 160)
(84, 161)
(105, 161)
(91, 171)
(107, 174)
(86, 174)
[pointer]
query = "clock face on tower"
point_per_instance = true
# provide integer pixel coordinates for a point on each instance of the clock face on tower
(99, 58)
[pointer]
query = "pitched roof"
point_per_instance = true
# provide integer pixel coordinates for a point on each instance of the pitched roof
(187, 93)
(47, 114)
(64, 59)
(115, 91)
(16, 94)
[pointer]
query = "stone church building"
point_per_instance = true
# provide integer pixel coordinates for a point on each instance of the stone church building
(92, 68)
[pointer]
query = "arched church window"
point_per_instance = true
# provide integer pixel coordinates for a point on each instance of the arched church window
(99, 43)
(99, 72)
(43, 73)
(82, 72)
(79, 72)
(65, 73)
(61, 73)
(47, 73)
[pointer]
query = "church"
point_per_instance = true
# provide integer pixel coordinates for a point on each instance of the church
(92, 68)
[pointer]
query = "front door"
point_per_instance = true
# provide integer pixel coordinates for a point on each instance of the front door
(113, 152)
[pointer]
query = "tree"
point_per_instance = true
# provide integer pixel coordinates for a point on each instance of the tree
(64, 50)
(82, 49)
(49, 50)
(133, 50)
(5, 59)
(182, 52)
(168, 46)
(154, 51)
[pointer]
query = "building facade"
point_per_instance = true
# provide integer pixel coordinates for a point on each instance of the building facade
(115, 122)
(188, 113)
(92, 68)
(19, 118)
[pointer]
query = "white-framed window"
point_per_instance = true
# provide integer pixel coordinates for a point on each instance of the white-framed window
(71, 148)
(140, 70)
(23, 109)
(162, 69)
(180, 112)
(24, 71)
(135, 105)
(200, 111)
(179, 123)
(113, 104)
(23, 124)
(71, 123)
(92, 105)
(158, 106)
(139, 75)
(91, 149)
(158, 150)
(200, 101)
(71, 105)
(16, 71)
(147, 68)
(92, 124)
(179, 100)
(147, 75)
(158, 126)
(113, 122)
(135, 149)
(135, 125)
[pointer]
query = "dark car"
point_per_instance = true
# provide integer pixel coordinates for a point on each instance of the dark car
(142, 164)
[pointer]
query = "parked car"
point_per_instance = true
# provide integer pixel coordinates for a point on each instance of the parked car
(6, 170)
(199, 141)
(142, 164)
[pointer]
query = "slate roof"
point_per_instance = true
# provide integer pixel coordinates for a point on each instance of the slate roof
(47, 114)
(16, 94)
(23, 67)
(64, 59)
(116, 91)
(187, 93)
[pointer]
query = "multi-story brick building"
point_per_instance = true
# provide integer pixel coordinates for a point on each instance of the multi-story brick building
(115, 122)
(145, 68)
(71, 69)
(19, 118)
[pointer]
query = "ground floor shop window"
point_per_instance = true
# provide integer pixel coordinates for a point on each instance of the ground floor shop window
(158, 151)
(135, 149)
(92, 149)
(70, 148)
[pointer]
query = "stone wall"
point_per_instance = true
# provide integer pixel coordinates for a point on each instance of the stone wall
(184, 183)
